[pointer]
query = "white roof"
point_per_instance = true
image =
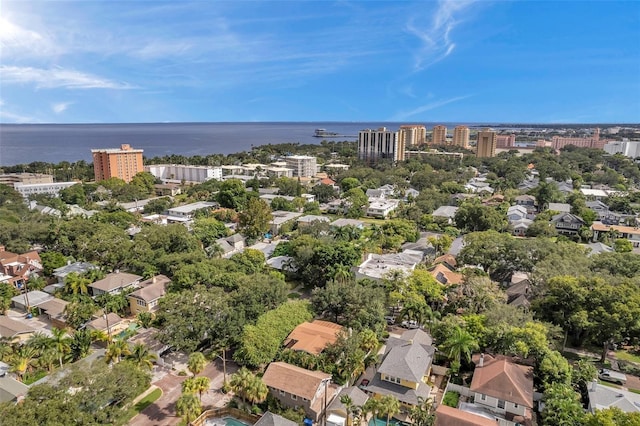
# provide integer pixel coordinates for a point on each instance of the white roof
(188, 208)
(593, 192)
(35, 297)
(445, 211)
(605, 397)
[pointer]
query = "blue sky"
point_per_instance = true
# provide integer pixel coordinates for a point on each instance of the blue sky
(458, 61)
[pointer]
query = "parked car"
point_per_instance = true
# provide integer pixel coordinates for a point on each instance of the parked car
(364, 383)
(612, 376)
(390, 319)
(411, 324)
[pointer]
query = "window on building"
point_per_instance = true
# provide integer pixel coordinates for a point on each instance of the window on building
(281, 392)
(483, 397)
(140, 302)
(294, 397)
(500, 403)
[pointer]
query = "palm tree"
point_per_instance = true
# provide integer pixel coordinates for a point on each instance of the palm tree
(370, 407)
(389, 405)
(141, 356)
(22, 360)
(240, 382)
(145, 319)
(47, 358)
(368, 340)
(80, 344)
(348, 406)
(39, 342)
(75, 283)
(257, 391)
(460, 342)
(188, 407)
(196, 362)
(422, 414)
(116, 350)
(61, 343)
(201, 384)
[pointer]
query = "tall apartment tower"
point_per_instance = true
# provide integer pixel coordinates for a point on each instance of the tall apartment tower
(380, 144)
(439, 135)
(123, 163)
(461, 136)
(412, 135)
(302, 165)
(487, 142)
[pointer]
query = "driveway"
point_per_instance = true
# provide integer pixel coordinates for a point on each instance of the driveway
(163, 411)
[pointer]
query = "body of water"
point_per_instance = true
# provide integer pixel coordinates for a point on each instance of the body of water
(53, 143)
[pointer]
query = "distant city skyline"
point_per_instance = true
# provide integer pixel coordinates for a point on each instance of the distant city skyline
(415, 62)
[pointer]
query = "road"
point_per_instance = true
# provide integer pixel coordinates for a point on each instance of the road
(163, 411)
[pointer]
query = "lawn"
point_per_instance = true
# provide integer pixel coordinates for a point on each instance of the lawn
(144, 403)
(611, 385)
(628, 356)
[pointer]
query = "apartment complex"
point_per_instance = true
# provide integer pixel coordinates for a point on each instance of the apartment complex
(302, 165)
(380, 144)
(558, 142)
(179, 172)
(506, 141)
(626, 148)
(439, 135)
(412, 135)
(461, 136)
(52, 188)
(123, 163)
(486, 145)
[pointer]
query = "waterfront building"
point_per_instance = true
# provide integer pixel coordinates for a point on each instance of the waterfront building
(439, 135)
(380, 144)
(627, 148)
(461, 136)
(123, 163)
(412, 135)
(179, 172)
(486, 144)
(302, 165)
(506, 141)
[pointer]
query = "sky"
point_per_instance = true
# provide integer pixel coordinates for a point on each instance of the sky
(451, 61)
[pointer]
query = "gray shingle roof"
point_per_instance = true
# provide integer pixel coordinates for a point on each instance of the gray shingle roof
(408, 362)
(270, 419)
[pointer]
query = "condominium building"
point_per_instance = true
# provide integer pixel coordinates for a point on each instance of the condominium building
(486, 145)
(627, 148)
(179, 172)
(302, 165)
(558, 142)
(123, 163)
(412, 135)
(506, 141)
(439, 135)
(461, 136)
(380, 144)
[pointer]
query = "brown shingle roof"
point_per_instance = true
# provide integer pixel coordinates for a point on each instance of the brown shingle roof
(313, 337)
(152, 289)
(115, 280)
(294, 380)
(449, 259)
(10, 327)
(53, 307)
(100, 323)
(449, 416)
(445, 275)
(503, 379)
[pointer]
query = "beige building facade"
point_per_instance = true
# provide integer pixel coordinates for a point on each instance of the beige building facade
(412, 135)
(487, 143)
(461, 136)
(439, 135)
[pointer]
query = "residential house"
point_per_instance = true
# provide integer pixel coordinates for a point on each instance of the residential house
(503, 387)
(518, 294)
(313, 337)
(494, 200)
(600, 208)
(594, 194)
(413, 193)
(337, 413)
(53, 309)
(147, 297)
(567, 223)
(111, 324)
(282, 263)
(297, 387)
(381, 207)
(630, 233)
(529, 202)
(231, 245)
(602, 397)
(448, 260)
(447, 212)
(445, 276)
(148, 338)
(114, 283)
(449, 416)
(598, 248)
(519, 227)
(311, 219)
(405, 369)
(378, 266)
(16, 269)
(270, 419)
(14, 330)
(559, 207)
(339, 223)
(280, 218)
(187, 211)
(516, 213)
(29, 300)
(479, 185)
(75, 267)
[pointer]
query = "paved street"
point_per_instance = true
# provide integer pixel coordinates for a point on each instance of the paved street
(162, 412)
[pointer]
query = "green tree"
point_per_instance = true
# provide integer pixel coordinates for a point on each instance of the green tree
(188, 407)
(116, 350)
(423, 413)
(622, 245)
(257, 391)
(80, 344)
(232, 194)
(389, 406)
(208, 230)
(76, 283)
(474, 216)
(254, 220)
(197, 385)
(357, 201)
(52, 260)
(562, 406)
(7, 291)
(349, 183)
(141, 357)
(22, 360)
(459, 343)
(250, 260)
(196, 363)
(611, 417)
(61, 343)
(240, 382)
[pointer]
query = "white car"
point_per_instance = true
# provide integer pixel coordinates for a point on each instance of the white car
(411, 324)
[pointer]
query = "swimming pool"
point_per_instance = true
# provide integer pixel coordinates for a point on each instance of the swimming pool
(225, 421)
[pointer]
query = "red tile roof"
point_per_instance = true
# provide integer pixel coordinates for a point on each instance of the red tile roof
(449, 416)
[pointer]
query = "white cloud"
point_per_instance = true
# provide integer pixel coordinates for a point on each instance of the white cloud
(436, 40)
(57, 77)
(60, 107)
(18, 41)
(403, 115)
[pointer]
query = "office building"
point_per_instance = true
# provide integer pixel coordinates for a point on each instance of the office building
(461, 136)
(439, 135)
(412, 135)
(179, 172)
(486, 145)
(123, 163)
(380, 144)
(302, 165)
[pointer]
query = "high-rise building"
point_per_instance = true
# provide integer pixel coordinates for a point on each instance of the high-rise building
(506, 141)
(123, 163)
(486, 145)
(374, 145)
(412, 135)
(461, 136)
(439, 135)
(302, 165)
